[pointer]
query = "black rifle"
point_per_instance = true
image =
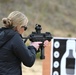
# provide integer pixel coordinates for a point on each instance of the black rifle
(38, 36)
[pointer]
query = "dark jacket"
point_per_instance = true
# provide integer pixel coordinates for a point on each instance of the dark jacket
(14, 52)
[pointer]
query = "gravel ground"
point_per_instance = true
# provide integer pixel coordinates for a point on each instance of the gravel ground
(36, 69)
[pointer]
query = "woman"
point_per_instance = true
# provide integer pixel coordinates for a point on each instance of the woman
(13, 50)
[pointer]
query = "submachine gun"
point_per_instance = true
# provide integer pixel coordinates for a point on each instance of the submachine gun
(38, 36)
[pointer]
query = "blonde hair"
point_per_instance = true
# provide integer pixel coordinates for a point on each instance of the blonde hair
(15, 18)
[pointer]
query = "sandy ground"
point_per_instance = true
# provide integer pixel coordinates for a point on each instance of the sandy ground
(36, 69)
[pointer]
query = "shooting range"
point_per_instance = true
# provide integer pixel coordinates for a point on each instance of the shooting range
(57, 17)
(60, 57)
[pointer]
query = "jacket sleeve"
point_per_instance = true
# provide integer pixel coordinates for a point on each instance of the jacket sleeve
(27, 55)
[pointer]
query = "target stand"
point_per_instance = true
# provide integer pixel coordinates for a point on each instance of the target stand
(60, 57)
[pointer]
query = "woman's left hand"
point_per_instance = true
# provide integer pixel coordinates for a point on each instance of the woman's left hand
(46, 43)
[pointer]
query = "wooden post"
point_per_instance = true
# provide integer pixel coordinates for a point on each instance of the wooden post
(46, 62)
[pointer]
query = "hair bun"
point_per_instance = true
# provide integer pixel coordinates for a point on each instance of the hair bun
(4, 20)
(7, 22)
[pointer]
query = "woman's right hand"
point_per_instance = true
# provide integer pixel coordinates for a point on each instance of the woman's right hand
(36, 44)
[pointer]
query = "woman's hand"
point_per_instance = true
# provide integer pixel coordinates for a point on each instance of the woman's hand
(46, 43)
(37, 44)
